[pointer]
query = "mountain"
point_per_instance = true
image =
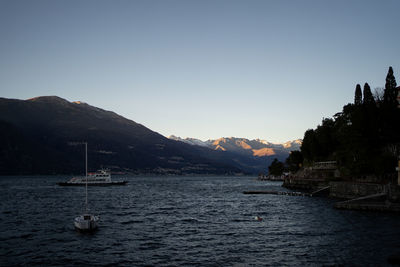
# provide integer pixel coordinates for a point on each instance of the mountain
(256, 148)
(236, 143)
(190, 141)
(35, 134)
(251, 155)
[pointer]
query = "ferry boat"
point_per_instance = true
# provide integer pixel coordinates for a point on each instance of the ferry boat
(99, 178)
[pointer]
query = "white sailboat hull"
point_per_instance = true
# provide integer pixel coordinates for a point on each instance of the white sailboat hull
(86, 222)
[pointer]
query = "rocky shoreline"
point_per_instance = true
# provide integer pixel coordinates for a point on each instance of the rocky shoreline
(354, 195)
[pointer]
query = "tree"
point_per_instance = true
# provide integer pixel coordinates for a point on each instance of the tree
(276, 168)
(368, 97)
(294, 161)
(363, 139)
(378, 94)
(309, 145)
(358, 95)
(390, 93)
(319, 144)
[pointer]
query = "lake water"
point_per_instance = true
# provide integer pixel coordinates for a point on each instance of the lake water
(181, 221)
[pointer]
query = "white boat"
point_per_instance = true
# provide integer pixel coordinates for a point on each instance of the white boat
(86, 222)
(99, 178)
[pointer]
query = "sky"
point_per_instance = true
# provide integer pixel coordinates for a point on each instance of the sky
(202, 69)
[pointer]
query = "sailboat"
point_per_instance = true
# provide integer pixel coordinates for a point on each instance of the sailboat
(86, 222)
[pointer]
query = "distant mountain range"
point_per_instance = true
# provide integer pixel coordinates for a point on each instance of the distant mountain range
(257, 147)
(35, 134)
(255, 155)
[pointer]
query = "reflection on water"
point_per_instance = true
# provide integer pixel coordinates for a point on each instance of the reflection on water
(179, 221)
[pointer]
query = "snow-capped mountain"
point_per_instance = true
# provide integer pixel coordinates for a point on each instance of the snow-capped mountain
(256, 147)
(251, 155)
(190, 141)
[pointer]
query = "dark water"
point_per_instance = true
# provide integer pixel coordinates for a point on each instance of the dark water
(181, 221)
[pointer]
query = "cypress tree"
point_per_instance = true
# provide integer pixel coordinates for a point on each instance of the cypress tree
(390, 93)
(358, 95)
(368, 97)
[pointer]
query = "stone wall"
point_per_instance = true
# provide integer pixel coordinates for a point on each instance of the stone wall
(304, 184)
(349, 190)
(394, 193)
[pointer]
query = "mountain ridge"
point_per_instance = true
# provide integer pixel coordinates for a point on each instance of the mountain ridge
(36, 133)
(257, 146)
(255, 154)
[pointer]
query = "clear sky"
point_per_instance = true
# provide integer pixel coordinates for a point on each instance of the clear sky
(203, 69)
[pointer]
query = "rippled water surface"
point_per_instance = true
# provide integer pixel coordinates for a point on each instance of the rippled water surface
(181, 221)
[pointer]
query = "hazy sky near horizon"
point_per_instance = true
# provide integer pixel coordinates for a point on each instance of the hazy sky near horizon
(202, 69)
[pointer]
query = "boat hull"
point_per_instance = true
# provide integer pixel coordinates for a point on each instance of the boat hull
(93, 184)
(86, 223)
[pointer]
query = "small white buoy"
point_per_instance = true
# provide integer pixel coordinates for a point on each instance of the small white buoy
(258, 218)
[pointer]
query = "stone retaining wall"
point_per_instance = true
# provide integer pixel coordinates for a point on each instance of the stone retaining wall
(304, 184)
(349, 190)
(394, 193)
(344, 190)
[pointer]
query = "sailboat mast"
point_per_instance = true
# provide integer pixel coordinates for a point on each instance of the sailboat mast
(86, 174)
